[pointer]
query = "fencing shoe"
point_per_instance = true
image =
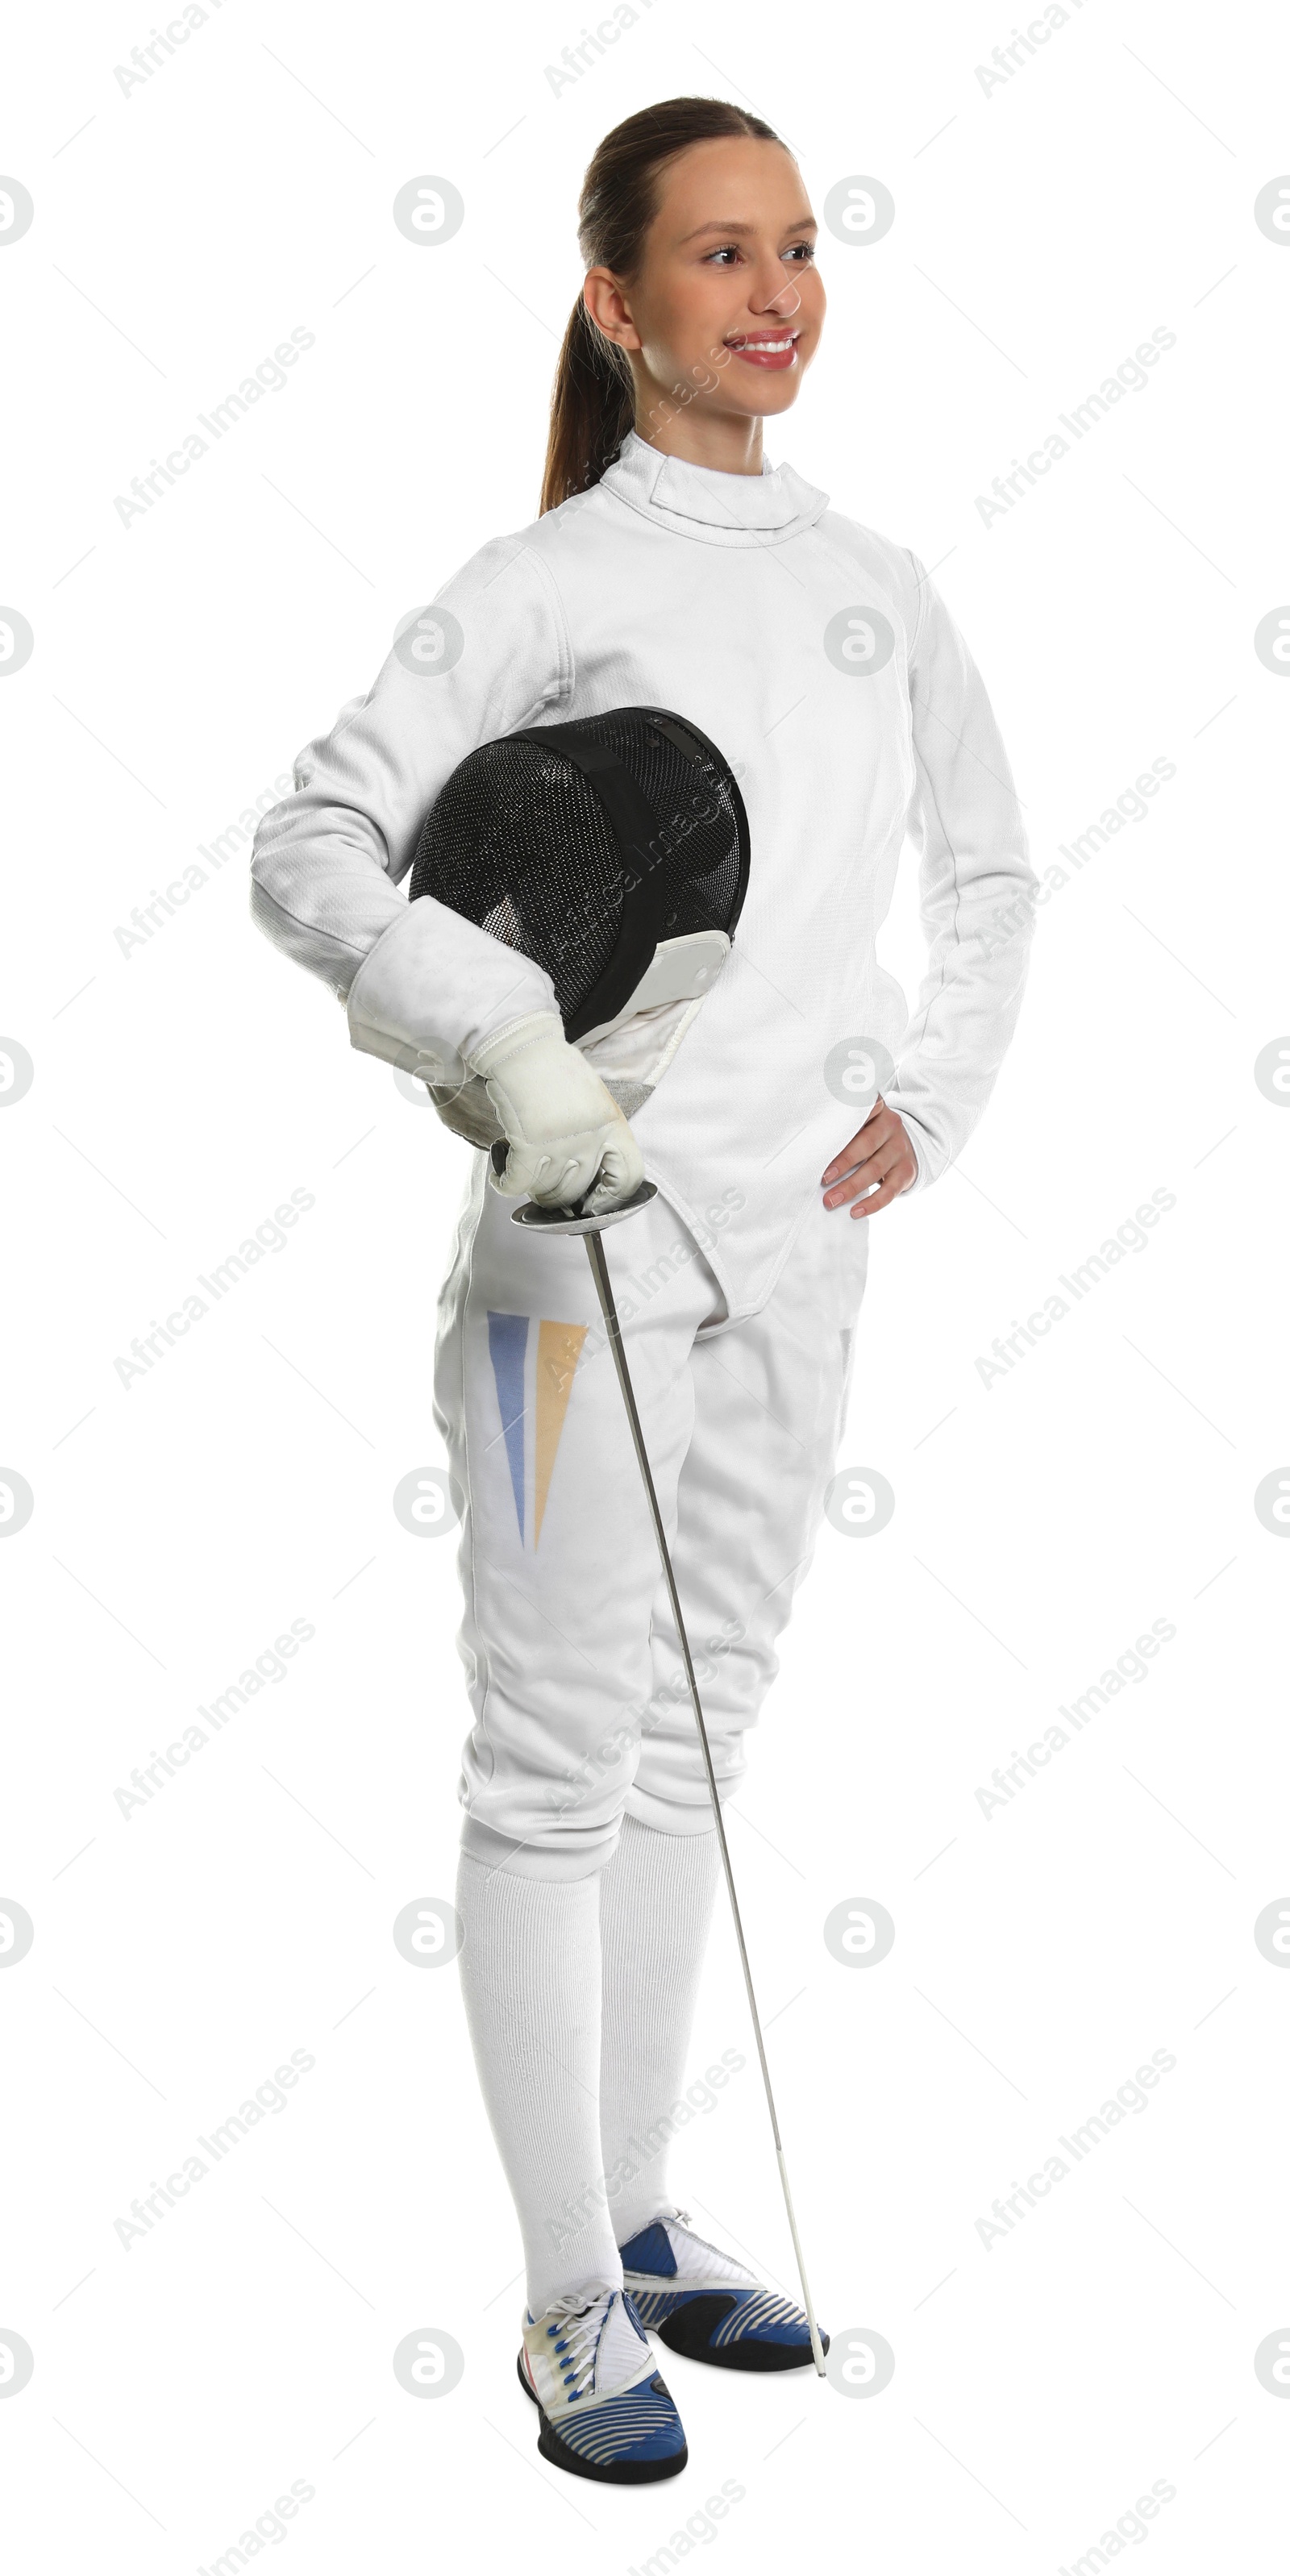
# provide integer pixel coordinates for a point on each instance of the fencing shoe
(603, 2410)
(708, 2306)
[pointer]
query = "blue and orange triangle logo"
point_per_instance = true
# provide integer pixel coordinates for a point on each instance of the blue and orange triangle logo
(556, 1350)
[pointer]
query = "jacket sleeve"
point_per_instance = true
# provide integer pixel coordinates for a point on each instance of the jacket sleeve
(977, 895)
(420, 982)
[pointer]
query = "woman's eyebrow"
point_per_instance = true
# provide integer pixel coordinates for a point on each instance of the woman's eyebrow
(800, 223)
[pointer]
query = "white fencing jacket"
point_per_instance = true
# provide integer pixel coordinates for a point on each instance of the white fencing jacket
(818, 656)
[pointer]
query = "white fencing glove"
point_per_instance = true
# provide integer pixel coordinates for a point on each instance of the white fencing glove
(567, 1136)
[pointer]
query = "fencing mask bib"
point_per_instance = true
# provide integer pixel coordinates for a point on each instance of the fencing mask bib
(613, 852)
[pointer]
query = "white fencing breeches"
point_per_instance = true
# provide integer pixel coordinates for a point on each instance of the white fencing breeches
(581, 1710)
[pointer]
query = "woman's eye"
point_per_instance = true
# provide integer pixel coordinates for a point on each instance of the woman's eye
(800, 251)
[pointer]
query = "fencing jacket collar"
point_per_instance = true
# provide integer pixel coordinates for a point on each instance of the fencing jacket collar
(721, 509)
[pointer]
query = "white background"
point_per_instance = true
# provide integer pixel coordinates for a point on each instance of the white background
(1043, 1522)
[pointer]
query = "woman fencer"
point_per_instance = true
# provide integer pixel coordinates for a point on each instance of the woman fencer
(672, 566)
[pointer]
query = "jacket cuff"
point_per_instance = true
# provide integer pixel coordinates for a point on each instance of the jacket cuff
(929, 1168)
(434, 987)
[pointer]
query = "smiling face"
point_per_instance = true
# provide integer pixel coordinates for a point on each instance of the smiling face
(724, 314)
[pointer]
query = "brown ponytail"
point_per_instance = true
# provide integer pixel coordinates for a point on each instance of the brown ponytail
(593, 398)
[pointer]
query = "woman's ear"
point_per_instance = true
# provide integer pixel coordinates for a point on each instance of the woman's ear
(608, 307)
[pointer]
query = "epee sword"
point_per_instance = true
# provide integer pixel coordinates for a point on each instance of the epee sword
(557, 1220)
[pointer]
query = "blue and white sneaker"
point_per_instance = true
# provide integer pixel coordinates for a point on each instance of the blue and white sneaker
(706, 2305)
(604, 2411)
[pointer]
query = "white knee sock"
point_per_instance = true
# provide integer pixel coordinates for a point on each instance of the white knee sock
(655, 1908)
(530, 1979)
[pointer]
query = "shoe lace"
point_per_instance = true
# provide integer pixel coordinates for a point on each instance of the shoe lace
(682, 2219)
(575, 2323)
(733, 2268)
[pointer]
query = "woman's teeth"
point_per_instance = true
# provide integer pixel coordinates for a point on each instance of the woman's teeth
(767, 353)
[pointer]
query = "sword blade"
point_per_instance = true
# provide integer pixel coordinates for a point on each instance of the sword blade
(605, 1293)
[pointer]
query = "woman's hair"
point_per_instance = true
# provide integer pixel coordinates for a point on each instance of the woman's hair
(592, 402)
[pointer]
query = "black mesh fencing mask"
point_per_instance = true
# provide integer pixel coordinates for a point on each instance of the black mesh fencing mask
(613, 851)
